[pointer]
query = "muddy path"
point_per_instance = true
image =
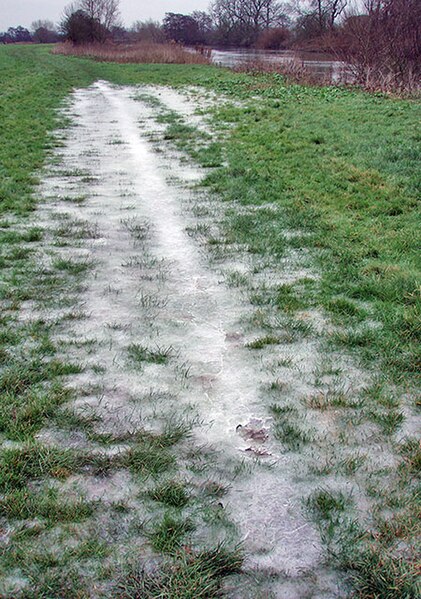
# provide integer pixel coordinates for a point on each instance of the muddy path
(169, 343)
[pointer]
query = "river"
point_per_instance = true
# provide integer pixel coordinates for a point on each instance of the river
(321, 65)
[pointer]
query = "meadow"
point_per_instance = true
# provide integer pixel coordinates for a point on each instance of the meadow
(336, 164)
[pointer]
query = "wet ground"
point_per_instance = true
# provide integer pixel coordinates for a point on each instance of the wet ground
(155, 285)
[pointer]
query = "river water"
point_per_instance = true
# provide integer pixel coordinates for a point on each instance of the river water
(321, 65)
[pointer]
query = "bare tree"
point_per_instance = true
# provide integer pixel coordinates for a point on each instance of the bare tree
(42, 23)
(325, 12)
(44, 32)
(148, 31)
(247, 17)
(204, 21)
(258, 13)
(106, 12)
(384, 45)
(90, 20)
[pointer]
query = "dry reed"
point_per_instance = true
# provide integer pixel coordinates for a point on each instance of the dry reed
(293, 70)
(144, 52)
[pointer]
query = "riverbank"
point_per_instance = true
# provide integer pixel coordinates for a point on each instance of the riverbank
(324, 68)
(302, 218)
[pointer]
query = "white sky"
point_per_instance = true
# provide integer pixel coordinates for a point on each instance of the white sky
(23, 12)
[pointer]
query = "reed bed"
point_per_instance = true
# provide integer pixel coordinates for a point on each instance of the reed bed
(293, 70)
(144, 52)
(350, 74)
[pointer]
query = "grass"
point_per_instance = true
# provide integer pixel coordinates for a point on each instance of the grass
(72, 267)
(23, 414)
(331, 398)
(327, 505)
(291, 435)
(49, 505)
(20, 466)
(353, 197)
(339, 167)
(377, 575)
(192, 574)
(20, 376)
(139, 230)
(286, 429)
(262, 342)
(77, 229)
(168, 534)
(139, 354)
(32, 394)
(389, 421)
(151, 453)
(411, 451)
(171, 493)
(350, 464)
(25, 399)
(382, 561)
(149, 460)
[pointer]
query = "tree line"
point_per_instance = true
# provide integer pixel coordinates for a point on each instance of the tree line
(375, 36)
(263, 23)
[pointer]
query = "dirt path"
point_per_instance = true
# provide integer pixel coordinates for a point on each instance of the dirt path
(163, 338)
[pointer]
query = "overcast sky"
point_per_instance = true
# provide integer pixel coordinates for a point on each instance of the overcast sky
(23, 12)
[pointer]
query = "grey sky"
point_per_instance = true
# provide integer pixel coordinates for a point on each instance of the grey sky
(23, 12)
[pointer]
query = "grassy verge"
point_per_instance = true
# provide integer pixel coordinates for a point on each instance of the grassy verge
(340, 166)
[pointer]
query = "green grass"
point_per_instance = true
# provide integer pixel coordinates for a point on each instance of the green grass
(72, 267)
(326, 505)
(19, 466)
(371, 557)
(286, 427)
(378, 575)
(262, 342)
(77, 229)
(168, 534)
(353, 196)
(291, 435)
(25, 399)
(411, 451)
(338, 167)
(49, 505)
(192, 574)
(31, 391)
(331, 398)
(139, 353)
(23, 414)
(170, 493)
(353, 193)
(149, 460)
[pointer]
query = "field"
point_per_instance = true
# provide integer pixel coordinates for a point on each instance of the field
(209, 337)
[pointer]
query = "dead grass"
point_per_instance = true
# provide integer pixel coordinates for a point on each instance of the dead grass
(144, 52)
(293, 70)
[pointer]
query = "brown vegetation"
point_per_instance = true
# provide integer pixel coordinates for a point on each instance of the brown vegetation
(144, 52)
(275, 38)
(383, 47)
(292, 69)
